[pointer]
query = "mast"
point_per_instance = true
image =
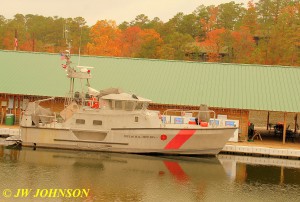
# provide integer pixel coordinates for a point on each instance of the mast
(81, 72)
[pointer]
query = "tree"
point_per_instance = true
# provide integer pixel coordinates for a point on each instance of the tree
(17, 27)
(213, 44)
(2, 30)
(151, 43)
(284, 38)
(141, 21)
(230, 15)
(105, 39)
(176, 46)
(243, 46)
(172, 25)
(209, 23)
(124, 25)
(202, 16)
(131, 41)
(250, 18)
(189, 25)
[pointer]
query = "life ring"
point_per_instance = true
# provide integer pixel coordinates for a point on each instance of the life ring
(93, 103)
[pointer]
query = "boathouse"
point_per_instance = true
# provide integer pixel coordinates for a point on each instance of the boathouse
(229, 89)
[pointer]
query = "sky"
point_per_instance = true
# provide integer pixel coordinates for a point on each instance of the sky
(93, 10)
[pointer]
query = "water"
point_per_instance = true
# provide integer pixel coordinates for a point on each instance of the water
(125, 177)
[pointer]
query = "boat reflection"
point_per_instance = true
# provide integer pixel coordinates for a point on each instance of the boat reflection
(112, 176)
(129, 177)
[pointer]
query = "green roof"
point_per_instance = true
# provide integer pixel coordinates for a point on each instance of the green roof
(254, 87)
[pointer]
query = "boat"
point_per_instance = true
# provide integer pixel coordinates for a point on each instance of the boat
(115, 121)
(13, 141)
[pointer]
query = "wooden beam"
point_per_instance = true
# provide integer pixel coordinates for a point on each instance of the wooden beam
(284, 128)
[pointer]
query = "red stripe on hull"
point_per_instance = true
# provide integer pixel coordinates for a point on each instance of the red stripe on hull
(176, 170)
(180, 139)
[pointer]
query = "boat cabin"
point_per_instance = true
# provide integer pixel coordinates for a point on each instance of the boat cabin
(125, 101)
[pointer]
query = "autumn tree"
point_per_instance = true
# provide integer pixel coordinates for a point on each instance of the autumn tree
(131, 41)
(150, 45)
(213, 44)
(2, 30)
(209, 22)
(243, 46)
(282, 47)
(105, 39)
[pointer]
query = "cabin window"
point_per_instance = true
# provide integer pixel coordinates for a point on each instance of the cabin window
(145, 105)
(129, 106)
(139, 105)
(112, 104)
(97, 122)
(118, 104)
(80, 121)
(136, 119)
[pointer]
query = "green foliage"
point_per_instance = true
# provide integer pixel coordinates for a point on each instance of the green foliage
(265, 32)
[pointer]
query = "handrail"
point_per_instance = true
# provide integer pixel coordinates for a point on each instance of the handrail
(44, 100)
(51, 121)
(192, 111)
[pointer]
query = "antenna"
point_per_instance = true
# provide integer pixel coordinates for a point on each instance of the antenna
(66, 36)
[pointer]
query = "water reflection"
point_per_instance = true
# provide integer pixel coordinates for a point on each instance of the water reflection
(109, 176)
(125, 177)
(247, 169)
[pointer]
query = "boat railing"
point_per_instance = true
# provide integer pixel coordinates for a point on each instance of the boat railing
(183, 113)
(48, 121)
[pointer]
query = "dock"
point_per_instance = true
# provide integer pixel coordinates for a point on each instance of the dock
(269, 146)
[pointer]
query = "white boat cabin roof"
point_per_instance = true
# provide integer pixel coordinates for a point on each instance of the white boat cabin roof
(125, 97)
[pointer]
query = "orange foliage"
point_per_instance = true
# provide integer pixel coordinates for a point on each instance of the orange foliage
(213, 44)
(27, 45)
(8, 41)
(243, 45)
(105, 39)
(209, 25)
(134, 39)
(131, 41)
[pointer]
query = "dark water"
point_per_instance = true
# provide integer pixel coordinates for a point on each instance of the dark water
(124, 177)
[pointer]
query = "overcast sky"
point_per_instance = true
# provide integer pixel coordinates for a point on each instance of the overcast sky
(93, 10)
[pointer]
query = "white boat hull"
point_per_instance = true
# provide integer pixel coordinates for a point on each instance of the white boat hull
(189, 141)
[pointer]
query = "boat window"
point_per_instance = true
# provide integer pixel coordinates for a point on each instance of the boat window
(145, 105)
(97, 122)
(112, 104)
(118, 104)
(129, 106)
(139, 105)
(80, 121)
(136, 119)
